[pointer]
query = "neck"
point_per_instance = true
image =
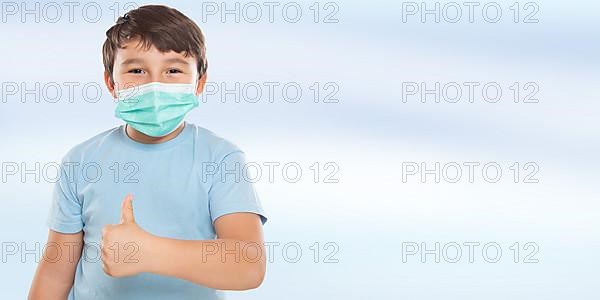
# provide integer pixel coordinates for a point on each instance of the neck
(146, 139)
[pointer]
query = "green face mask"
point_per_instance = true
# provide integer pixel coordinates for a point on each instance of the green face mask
(156, 109)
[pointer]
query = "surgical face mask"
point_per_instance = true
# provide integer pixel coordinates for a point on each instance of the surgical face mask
(156, 109)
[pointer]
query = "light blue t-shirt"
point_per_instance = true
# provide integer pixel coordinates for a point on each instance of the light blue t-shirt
(180, 188)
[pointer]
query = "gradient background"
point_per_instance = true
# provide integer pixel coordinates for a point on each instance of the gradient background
(368, 134)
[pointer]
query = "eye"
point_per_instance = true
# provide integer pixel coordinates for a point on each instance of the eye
(172, 71)
(136, 71)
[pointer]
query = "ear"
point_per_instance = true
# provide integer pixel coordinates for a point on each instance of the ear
(201, 84)
(109, 84)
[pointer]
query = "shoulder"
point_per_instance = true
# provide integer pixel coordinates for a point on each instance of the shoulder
(88, 148)
(211, 143)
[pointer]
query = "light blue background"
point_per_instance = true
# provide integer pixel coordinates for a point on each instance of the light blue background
(368, 134)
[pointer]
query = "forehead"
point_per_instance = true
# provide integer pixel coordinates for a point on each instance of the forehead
(135, 49)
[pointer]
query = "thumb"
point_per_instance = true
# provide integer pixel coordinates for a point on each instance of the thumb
(127, 210)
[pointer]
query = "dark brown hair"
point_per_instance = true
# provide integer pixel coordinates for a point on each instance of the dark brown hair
(156, 25)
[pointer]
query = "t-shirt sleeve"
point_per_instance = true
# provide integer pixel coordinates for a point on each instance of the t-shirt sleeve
(65, 210)
(231, 190)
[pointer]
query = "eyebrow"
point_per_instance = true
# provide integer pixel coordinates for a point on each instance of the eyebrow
(176, 60)
(131, 61)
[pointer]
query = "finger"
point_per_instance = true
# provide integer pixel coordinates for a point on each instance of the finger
(105, 229)
(127, 210)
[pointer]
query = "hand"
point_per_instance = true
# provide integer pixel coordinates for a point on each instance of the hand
(123, 245)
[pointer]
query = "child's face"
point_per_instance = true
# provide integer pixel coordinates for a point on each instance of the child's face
(135, 65)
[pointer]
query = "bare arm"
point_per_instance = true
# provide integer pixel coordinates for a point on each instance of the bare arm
(234, 261)
(56, 271)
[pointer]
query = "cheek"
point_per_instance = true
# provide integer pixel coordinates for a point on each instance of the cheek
(180, 78)
(127, 80)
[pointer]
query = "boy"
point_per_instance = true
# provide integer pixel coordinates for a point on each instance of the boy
(195, 226)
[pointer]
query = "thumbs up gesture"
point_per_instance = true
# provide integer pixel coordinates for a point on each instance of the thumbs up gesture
(123, 245)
